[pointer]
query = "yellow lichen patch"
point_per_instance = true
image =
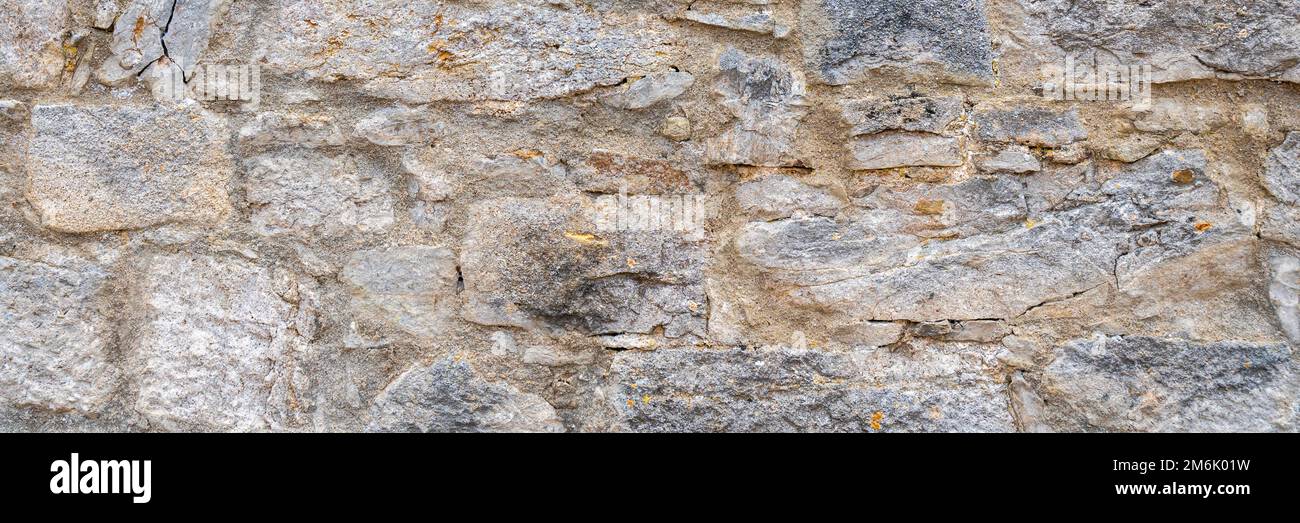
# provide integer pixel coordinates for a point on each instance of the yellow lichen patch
(645, 399)
(1202, 226)
(929, 207)
(1183, 176)
(876, 418)
(1030, 223)
(585, 238)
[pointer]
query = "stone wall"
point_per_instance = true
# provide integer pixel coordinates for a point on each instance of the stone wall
(648, 215)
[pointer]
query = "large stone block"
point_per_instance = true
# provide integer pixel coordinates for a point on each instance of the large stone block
(844, 40)
(422, 52)
(449, 396)
(103, 168)
(31, 42)
(314, 195)
(793, 389)
(208, 345)
(54, 335)
(1165, 385)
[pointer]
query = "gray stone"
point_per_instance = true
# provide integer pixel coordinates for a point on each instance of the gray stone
(400, 126)
(1282, 170)
(311, 194)
(209, 345)
(166, 34)
(1164, 385)
(785, 389)
(845, 40)
(418, 52)
(449, 396)
(1173, 115)
(535, 263)
(54, 336)
(1015, 159)
(1133, 148)
(737, 17)
(413, 288)
(993, 261)
(102, 168)
(651, 90)
(1180, 39)
(904, 113)
(767, 99)
(779, 196)
(31, 42)
(276, 130)
(898, 149)
(1030, 126)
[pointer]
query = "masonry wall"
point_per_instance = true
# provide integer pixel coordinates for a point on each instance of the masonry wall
(655, 215)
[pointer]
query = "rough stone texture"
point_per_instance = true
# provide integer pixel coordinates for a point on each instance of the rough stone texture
(788, 389)
(1149, 384)
(103, 168)
(421, 52)
(1180, 39)
(55, 335)
(662, 215)
(411, 287)
(316, 195)
(31, 42)
(448, 396)
(208, 346)
(846, 39)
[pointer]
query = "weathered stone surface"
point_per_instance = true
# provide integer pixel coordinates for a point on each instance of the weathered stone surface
(1030, 126)
(1180, 39)
(425, 52)
(31, 38)
(784, 389)
(1282, 170)
(209, 343)
(315, 195)
(845, 40)
(103, 168)
(534, 263)
(412, 287)
(904, 113)
(54, 335)
(737, 17)
(778, 196)
(400, 126)
(609, 172)
(651, 90)
(768, 100)
(995, 261)
(890, 150)
(1014, 159)
(163, 34)
(1161, 385)
(275, 130)
(448, 396)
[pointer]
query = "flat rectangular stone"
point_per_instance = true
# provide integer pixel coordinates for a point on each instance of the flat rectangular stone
(103, 168)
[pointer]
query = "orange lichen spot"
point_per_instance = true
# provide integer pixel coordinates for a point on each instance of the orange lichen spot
(631, 403)
(1183, 176)
(138, 31)
(929, 207)
(1202, 226)
(631, 264)
(527, 154)
(876, 418)
(311, 23)
(585, 238)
